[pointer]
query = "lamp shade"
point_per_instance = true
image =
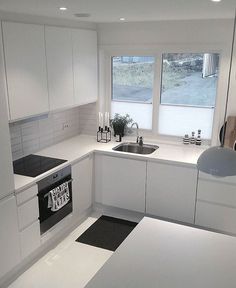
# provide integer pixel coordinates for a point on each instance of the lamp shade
(218, 161)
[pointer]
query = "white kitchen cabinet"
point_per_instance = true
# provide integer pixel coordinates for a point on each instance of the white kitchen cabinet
(24, 48)
(216, 203)
(6, 171)
(28, 213)
(171, 191)
(29, 227)
(30, 239)
(85, 66)
(120, 182)
(9, 235)
(60, 67)
(82, 185)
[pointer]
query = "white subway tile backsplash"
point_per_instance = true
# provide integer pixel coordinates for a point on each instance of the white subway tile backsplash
(31, 135)
(16, 148)
(88, 119)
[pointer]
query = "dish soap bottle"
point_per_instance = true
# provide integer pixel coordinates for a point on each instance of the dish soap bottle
(199, 139)
(192, 139)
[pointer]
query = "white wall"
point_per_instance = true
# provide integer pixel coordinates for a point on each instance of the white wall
(195, 31)
(167, 35)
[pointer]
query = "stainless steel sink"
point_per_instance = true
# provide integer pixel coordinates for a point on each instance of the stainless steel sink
(131, 147)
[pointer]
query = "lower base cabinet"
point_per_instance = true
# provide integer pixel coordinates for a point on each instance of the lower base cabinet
(30, 239)
(82, 174)
(120, 182)
(216, 203)
(171, 191)
(28, 213)
(9, 236)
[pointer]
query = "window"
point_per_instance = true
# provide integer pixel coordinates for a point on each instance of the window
(132, 88)
(188, 93)
(184, 100)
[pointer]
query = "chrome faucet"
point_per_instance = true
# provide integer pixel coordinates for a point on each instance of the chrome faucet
(137, 131)
(139, 139)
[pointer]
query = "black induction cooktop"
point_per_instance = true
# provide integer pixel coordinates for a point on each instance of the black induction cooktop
(34, 165)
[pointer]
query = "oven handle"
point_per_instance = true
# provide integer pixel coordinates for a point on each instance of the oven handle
(69, 181)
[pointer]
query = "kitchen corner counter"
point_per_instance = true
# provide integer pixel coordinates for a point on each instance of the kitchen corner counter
(77, 148)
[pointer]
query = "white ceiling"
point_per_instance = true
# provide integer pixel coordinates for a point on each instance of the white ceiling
(132, 10)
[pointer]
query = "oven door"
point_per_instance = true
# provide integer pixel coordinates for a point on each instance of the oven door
(47, 217)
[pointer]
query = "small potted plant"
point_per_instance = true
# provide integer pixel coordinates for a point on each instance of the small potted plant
(119, 123)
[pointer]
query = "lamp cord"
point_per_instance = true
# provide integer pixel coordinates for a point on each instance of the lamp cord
(229, 80)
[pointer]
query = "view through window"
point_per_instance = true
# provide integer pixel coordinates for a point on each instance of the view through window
(132, 88)
(188, 93)
(189, 79)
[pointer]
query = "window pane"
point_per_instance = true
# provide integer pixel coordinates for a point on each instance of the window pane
(189, 79)
(132, 88)
(132, 78)
(181, 120)
(188, 93)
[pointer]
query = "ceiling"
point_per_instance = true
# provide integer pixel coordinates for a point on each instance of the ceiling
(103, 11)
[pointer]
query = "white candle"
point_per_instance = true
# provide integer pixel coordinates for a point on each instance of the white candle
(107, 119)
(101, 120)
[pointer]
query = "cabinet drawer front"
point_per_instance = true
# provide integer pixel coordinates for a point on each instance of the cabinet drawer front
(30, 239)
(26, 195)
(28, 213)
(217, 217)
(221, 193)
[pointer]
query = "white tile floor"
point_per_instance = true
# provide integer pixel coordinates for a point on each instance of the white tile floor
(70, 264)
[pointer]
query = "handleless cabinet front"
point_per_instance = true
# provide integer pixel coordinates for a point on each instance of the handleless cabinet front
(171, 191)
(26, 73)
(60, 67)
(9, 235)
(120, 182)
(28, 213)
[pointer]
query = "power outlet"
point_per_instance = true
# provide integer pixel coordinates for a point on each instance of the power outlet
(65, 126)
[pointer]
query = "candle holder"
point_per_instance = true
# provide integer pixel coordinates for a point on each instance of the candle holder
(104, 135)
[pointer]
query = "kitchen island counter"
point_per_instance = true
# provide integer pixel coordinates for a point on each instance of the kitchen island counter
(167, 255)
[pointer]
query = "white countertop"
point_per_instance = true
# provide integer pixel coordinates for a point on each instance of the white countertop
(80, 146)
(167, 255)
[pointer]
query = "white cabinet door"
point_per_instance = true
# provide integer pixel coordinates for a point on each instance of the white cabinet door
(24, 48)
(171, 191)
(6, 171)
(30, 239)
(82, 185)
(216, 203)
(9, 236)
(120, 182)
(85, 66)
(60, 69)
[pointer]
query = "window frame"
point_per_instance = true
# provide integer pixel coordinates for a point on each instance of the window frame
(106, 53)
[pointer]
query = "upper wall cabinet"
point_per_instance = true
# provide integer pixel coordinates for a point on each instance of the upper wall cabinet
(84, 43)
(26, 74)
(60, 67)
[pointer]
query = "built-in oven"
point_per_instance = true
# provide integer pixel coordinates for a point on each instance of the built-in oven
(54, 198)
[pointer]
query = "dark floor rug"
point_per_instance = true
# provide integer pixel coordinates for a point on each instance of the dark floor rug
(107, 233)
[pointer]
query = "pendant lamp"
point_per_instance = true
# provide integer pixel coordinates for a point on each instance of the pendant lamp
(220, 161)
